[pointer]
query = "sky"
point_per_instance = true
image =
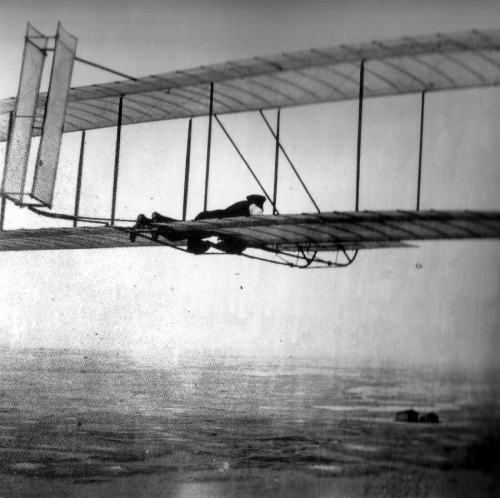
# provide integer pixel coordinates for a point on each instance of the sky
(435, 305)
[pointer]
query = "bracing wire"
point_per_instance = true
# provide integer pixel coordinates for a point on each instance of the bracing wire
(290, 162)
(245, 161)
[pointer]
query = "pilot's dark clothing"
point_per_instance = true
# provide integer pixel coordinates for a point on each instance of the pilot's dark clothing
(195, 244)
(242, 208)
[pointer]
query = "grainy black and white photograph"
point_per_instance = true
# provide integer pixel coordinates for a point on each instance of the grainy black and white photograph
(249, 249)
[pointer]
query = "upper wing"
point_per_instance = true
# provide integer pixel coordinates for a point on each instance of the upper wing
(332, 231)
(393, 67)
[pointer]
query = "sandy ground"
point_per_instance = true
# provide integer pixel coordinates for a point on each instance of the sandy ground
(410, 482)
(74, 427)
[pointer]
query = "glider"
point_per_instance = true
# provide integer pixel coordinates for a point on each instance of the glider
(329, 239)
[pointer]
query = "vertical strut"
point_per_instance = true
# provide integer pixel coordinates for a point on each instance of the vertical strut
(422, 107)
(186, 175)
(276, 162)
(79, 179)
(2, 211)
(3, 198)
(117, 160)
(210, 116)
(360, 124)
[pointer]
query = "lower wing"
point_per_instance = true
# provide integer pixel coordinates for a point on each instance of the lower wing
(306, 232)
(341, 230)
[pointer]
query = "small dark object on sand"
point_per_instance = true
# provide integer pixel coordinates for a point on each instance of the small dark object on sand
(429, 418)
(407, 416)
(413, 416)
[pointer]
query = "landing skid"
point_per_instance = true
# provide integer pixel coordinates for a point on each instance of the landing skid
(305, 259)
(302, 259)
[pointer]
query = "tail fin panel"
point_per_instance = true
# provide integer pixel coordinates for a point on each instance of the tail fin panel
(55, 115)
(18, 148)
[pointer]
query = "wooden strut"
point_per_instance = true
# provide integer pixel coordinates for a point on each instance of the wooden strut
(3, 202)
(2, 211)
(276, 162)
(209, 142)
(420, 148)
(360, 124)
(186, 175)
(79, 180)
(117, 160)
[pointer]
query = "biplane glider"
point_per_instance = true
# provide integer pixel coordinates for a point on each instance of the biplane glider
(416, 65)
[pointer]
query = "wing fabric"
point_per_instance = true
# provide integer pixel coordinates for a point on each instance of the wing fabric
(392, 67)
(67, 238)
(310, 232)
(346, 230)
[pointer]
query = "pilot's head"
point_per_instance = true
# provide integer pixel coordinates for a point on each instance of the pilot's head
(256, 204)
